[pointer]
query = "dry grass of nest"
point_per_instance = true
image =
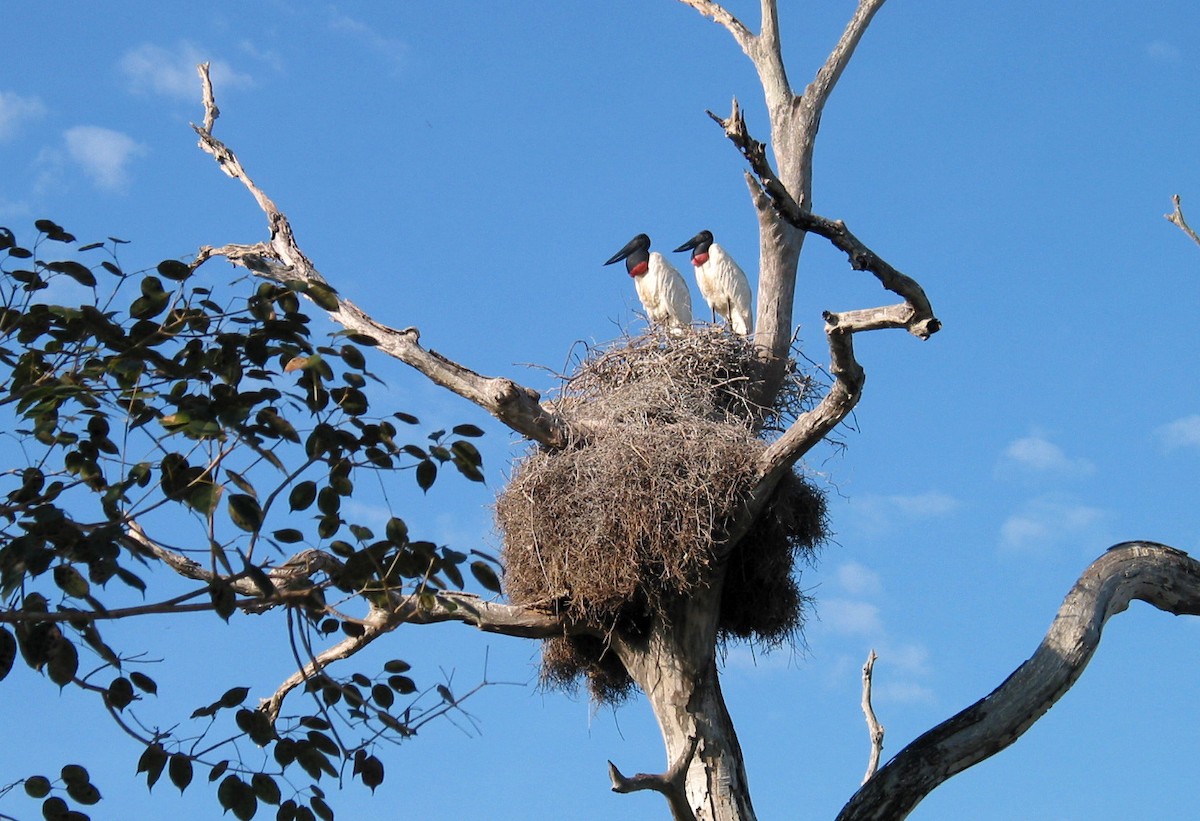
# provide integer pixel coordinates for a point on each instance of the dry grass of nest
(619, 526)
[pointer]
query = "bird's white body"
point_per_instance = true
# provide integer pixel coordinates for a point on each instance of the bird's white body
(726, 289)
(664, 294)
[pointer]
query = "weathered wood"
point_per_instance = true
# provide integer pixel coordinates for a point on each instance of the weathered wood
(1157, 574)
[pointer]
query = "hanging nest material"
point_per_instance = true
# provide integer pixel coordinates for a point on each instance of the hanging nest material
(613, 530)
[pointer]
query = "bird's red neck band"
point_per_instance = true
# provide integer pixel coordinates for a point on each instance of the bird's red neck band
(639, 269)
(700, 259)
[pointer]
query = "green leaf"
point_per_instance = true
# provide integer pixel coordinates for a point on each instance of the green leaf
(256, 725)
(152, 762)
(70, 581)
(179, 770)
(397, 666)
(223, 598)
(235, 795)
(402, 685)
(487, 577)
(323, 295)
(175, 270)
(382, 695)
(265, 788)
(8, 652)
(76, 271)
(53, 231)
(83, 792)
(62, 660)
(245, 512)
(37, 786)
(396, 531)
(120, 693)
(75, 774)
(218, 770)
(144, 683)
(370, 771)
(55, 809)
(426, 474)
(353, 357)
(467, 430)
(233, 696)
(302, 495)
(321, 808)
(288, 535)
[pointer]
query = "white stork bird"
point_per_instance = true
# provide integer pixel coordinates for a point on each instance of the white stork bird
(659, 285)
(722, 282)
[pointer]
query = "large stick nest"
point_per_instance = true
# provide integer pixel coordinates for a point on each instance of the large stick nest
(615, 529)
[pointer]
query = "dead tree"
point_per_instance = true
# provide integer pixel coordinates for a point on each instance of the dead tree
(669, 651)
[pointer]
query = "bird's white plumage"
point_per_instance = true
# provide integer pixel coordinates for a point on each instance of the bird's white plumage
(663, 293)
(726, 289)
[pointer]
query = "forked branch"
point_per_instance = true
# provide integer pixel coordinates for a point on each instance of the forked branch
(670, 783)
(280, 259)
(430, 608)
(1162, 576)
(1176, 217)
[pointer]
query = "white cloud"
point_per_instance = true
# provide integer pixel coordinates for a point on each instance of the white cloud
(887, 691)
(16, 110)
(911, 659)
(1160, 51)
(1181, 433)
(103, 153)
(878, 513)
(172, 72)
(1040, 455)
(391, 49)
(850, 617)
(859, 580)
(1047, 523)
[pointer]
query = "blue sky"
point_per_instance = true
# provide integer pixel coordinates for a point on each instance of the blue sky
(466, 168)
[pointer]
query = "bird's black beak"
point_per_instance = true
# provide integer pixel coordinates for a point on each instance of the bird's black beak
(629, 248)
(691, 243)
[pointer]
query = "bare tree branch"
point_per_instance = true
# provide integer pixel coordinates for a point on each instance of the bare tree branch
(431, 608)
(795, 121)
(670, 783)
(874, 728)
(1154, 573)
(1176, 217)
(744, 37)
(819, 89)
(281, 260)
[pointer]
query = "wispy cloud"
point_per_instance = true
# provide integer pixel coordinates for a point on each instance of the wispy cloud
(1182, 433)
(391, 49)
(1046, 524)
(172, 72)
(1037, 454)
(881, 513)
(103, 154)
(858, 579)
(15, 111)
(1160, 51)
(850, 617)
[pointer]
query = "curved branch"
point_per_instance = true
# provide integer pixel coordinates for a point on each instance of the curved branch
(1154, 573)
(874, 729)
(282, 260)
